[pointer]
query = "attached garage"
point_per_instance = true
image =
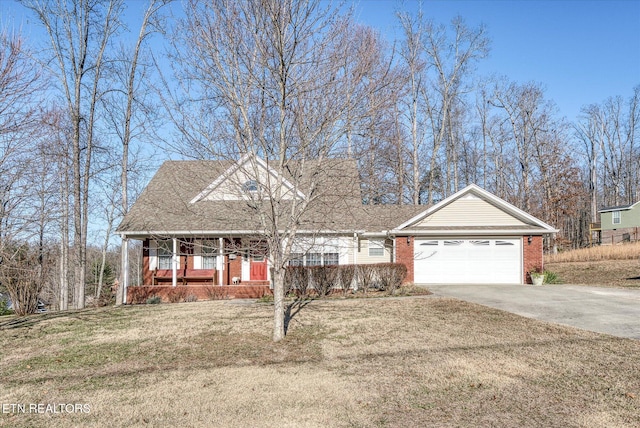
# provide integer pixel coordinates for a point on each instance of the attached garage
(471, 237)
(468, 261)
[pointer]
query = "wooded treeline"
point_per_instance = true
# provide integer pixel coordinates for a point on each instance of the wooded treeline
(91, 109)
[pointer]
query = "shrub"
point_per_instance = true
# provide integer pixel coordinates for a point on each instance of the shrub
(140, 294)
(216, 292)
(390, 276)
(323, 279)
(191, 298)
(21, 273)
(411, 289)
(366, 277)
(153, 300)
(177, 294)
(346, 274)
(4, 308)
(296, 279)
(266, 298)
(551, 277)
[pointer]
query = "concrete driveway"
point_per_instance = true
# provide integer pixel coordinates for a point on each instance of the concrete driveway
(604, 310)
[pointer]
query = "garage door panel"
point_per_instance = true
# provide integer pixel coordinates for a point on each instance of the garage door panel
(478, 261)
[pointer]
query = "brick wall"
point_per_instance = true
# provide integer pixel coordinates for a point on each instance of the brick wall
(532, 255)
(404, 255)
(140, 294)
(234, 269)
(146, 273)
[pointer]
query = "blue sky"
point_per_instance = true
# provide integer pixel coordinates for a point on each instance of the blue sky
(581, 51)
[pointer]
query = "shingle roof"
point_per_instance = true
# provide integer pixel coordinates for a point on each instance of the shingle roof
(164, 206)
(617, 208)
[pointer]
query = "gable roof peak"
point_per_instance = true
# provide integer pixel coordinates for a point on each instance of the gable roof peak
(250, 164)
(475, 190)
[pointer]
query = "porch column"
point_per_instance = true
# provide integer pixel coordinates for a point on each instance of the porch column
(220, 260)
(354, 281)
(395, 249)
(174, 264)
(355, 248)
(121, 292)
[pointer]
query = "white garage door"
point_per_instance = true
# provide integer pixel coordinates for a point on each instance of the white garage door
(467, 261)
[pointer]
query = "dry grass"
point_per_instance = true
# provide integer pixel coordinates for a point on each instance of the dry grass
(606, 266)
(416, 361)
(604, 273)
(629, 251)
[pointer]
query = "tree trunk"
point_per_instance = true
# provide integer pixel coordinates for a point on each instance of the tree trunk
(278, 304)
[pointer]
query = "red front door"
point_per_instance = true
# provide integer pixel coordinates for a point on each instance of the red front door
(258, 271)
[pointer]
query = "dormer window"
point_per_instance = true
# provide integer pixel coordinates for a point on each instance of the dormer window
(250, 186)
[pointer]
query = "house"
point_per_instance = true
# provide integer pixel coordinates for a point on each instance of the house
(620, 224)
(200, 227)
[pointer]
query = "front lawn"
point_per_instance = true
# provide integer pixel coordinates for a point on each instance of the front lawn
(411, 361)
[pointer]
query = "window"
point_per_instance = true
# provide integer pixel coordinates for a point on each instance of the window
(314, 259)
(250, 186)
(297, 259)
(452, 243)
(504, 243)
(376, 247)
(616, 217)
(208, 255)
(429, 243)
(480, 243)
(165, 251)
(331, 258)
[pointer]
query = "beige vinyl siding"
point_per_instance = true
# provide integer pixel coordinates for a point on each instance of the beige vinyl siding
(231, 189)
(363, 253)
(470, 211)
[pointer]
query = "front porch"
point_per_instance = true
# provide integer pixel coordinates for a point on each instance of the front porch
(187, 261)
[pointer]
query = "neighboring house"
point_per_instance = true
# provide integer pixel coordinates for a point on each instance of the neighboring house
(620, 224)
(199, 228)
(40, 308)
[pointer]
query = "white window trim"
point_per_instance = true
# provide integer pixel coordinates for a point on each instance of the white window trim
(169, 256)
(377, 244)
(305, 259)
(616, 215)
(199, 254)
(153, 254)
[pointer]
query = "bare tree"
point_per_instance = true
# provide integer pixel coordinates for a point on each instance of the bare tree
(413, 56)
(79, 34)
(438, 61)
(609, 132)
(128, 107)
(588, 133)
(23, 195)
(270, 80)
(452, 58)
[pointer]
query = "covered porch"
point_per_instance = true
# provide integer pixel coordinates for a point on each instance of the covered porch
(199, 268)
